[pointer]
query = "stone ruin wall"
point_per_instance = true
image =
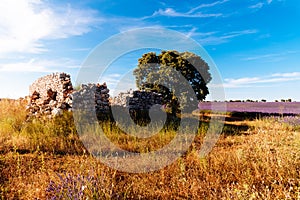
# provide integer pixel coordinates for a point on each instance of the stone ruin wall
(100, 98)
(57, 84)
(52, 94)
(137, 100)
(122, 98)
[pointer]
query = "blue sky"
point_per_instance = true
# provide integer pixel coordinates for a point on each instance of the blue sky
(254, 43)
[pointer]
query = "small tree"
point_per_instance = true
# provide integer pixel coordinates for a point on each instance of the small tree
(157, 73)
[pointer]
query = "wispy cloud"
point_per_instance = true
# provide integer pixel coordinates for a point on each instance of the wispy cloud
(36, 65)
(259, 57)
(192, 13)
(238, 33)
(191, 32)
(206, 6)
(24, 24)
(292, 74)
(259, 5)
(194, 32)
(257, 81)
(29, 66)
(82, 49)
(271, 57)
(214, 38)
(170, 12)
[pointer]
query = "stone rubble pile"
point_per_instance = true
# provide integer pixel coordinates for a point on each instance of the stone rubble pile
(142, 100)
(122, 99)
(137, 100)
(91, 97)
(50, 95)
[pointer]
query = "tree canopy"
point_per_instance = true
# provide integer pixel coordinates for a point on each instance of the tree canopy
(169, 73)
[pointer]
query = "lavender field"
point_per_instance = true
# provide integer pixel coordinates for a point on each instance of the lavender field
(257, 107)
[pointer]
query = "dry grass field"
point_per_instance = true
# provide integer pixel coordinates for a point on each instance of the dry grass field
(44, 159)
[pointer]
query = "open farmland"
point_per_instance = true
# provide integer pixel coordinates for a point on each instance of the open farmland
(257, 159)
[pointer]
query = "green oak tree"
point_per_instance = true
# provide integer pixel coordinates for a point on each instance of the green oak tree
(164, 73)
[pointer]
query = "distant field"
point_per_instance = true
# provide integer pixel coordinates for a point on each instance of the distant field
(258, 107)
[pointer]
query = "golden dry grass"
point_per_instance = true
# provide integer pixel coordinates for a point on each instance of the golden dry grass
(260, 163)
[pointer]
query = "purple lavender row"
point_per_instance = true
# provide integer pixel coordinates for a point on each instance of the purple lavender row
(262, 107)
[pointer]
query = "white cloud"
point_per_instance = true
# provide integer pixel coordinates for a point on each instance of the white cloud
(191, 32)
(192, 13)
(211, 38)
(82, 49)
(170, 12)
(271, 57)
(25, 23)
(29, 66)
(207, 5)
(292, 74)
(36, 65)
(246, 80)
(261, 57)
(238, 33)
(257, 81)
(258, 5)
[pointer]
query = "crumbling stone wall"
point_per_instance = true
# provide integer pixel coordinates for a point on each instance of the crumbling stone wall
(137, 100)
(138, 104)
(91, 98)
(59, 83)
(92, 94)
(50, 95)
(142, 100)
(122, 99)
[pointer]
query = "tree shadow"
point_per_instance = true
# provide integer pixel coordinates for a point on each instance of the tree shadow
(238, 128)
(227, 129)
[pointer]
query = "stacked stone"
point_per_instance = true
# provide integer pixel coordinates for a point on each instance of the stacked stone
(142, 100)
(102, 98)
(138, 100)
(92, 97)
(50, 95)
(122, 98)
